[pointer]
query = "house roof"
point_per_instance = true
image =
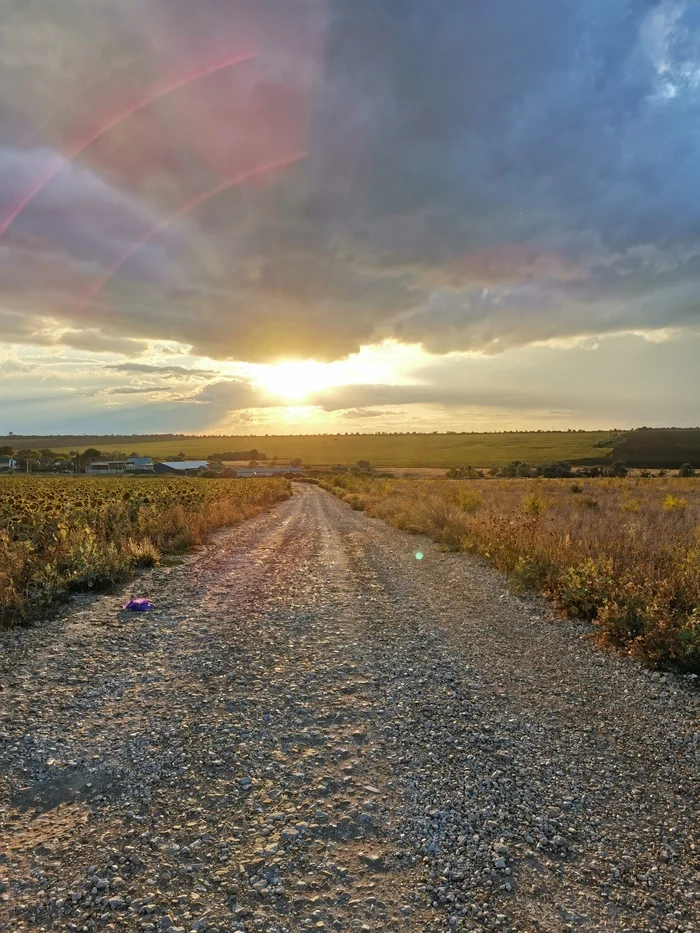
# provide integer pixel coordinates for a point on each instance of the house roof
(186, 464)
(140, 461)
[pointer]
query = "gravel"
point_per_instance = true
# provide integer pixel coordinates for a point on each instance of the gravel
(316, 731)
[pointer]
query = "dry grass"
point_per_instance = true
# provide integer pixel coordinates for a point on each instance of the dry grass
(624, 554)
(63, 534)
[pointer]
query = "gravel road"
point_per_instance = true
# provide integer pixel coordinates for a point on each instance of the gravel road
(315, 730)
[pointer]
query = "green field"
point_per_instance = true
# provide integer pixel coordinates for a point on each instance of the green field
(382, 450)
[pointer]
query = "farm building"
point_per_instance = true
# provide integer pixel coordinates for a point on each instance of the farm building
(182, 467)
(7, 464)
(106, 467)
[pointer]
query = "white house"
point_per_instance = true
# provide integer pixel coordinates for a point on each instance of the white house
(140, 464)
(7, 464)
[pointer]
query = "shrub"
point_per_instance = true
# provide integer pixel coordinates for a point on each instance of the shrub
(584, 589)
(686, 470)
(559, 470)
(576, 489)
(688, 640)
(531, 573)
(675, 503)
(470, 500)
(586, 502)
(464, 473)
(618, 468)
(631, 505)
(534, 503)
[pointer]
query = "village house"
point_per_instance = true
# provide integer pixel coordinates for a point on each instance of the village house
(140, 464)
(7, 464)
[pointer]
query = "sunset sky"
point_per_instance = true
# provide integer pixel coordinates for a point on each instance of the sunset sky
(262, 216)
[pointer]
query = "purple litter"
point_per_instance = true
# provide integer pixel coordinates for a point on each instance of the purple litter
(139, 605)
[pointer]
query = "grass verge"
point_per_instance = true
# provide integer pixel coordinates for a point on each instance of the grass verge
(622, 553)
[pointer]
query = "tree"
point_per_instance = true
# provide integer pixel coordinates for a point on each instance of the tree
(90, 453)
(686, 470)
(467, 472)
(559, 470)
(296, 462)
(253, 465)
(6, 451)
(364, 465)
(618, 468)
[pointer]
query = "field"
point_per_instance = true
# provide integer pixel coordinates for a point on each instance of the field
(622, 553)
(382, 450)
(62, 534)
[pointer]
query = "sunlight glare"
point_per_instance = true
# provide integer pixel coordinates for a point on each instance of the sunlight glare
(295, 379)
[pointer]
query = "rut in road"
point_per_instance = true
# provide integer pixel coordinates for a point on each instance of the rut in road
(316, 730)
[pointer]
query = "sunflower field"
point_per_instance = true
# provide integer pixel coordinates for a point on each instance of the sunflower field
(59, 534)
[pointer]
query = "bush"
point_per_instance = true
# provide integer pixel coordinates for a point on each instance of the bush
(675, 503)
(531, 573)
(618, 468)
(464, 473)
(686, 470)
(534, 503)
(586, 502)
(688, 640)
(583, 590)
(631, 505)
(559, 470)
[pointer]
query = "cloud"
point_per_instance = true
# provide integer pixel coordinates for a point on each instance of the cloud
(478, 177)
(366, 397)
(166, 372)
(360, 414)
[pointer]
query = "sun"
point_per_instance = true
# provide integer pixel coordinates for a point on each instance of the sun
(292, 380)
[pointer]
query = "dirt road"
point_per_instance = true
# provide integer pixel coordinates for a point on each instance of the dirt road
(316, 730)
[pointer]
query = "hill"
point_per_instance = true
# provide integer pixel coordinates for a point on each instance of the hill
(382, 450)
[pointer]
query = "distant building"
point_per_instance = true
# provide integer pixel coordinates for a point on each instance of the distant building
(7, 464)
(182, 467)
(244, 472)
(140, 464)
(106, 467)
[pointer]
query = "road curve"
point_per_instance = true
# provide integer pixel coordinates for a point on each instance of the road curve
(315, 730)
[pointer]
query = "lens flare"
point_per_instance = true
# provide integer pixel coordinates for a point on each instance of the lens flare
(185, 209)
(62, 160)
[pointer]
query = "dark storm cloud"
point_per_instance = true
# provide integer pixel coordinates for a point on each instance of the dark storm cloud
(476, 176)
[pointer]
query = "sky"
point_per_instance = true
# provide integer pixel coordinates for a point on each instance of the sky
(298, 216)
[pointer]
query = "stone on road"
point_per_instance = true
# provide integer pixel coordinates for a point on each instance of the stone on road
(316, 731)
